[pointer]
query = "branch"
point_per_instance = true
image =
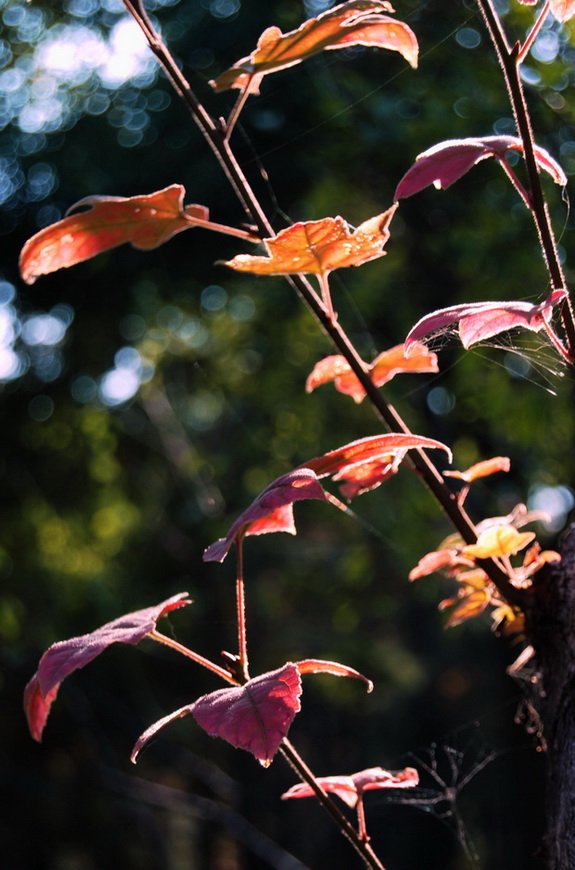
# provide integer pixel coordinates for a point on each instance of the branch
(216, 136)
(509, 60)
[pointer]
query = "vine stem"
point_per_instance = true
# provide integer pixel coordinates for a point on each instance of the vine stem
(361, 846)
(509, 58)
(196, 657)
(216, 136)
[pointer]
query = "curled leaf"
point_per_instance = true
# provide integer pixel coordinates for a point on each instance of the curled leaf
(144, 221)
(358, 22)
(384, 367)
(447, 162)
(376, 447)
(271, 511)
(478, 321)
(318, 666)
(67, 656)
(481, 469)
(318, 247)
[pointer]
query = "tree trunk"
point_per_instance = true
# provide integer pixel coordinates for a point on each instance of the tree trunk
(551, 626)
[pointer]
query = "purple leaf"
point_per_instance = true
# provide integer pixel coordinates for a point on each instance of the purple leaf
(271, 511)
(447, 162)
(480, 320)
(255, 717)
(67, 656)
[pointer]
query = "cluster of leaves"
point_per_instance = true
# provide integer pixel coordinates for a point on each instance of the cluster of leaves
(255, 714)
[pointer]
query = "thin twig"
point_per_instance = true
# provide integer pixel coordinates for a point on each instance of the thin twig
(196, 657)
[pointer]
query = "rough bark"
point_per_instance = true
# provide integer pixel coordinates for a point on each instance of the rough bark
(551, 625)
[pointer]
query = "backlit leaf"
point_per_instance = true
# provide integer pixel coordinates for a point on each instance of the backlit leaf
(563, 10)
(369, 449)
(271, 511)
(466, 608)
(434, 561)
(318, 666)
(144, 221)
(255, 717)
(384, 367)
(478, 321)
(364, 476)
(503, 540)
(67, 656)
(481, 469)
(350, 788)
(318, 247)
(358, 22)
(447, 162)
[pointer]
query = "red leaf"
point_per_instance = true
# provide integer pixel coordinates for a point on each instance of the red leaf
(318, 247)
(271, 511)
(350, 788)
(384, 367)
(447, 162)
(481, 320)
(377, 777)
(377, 447)
(37, 706)
(365, 476)
(318, 666)
(144, 221)
(67, 656)
(359, 22)
(342, 786)
(255, 717)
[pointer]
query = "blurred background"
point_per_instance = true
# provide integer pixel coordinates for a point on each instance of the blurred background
(148, 398)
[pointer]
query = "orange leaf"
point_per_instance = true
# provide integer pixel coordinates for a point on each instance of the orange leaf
(384, 367)
(563, 10)
(502, 540)
(144, 221)
(358, 22)
(481, 469)
(432, 562)
(319, 246)
(474, 579)
(468, 607)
